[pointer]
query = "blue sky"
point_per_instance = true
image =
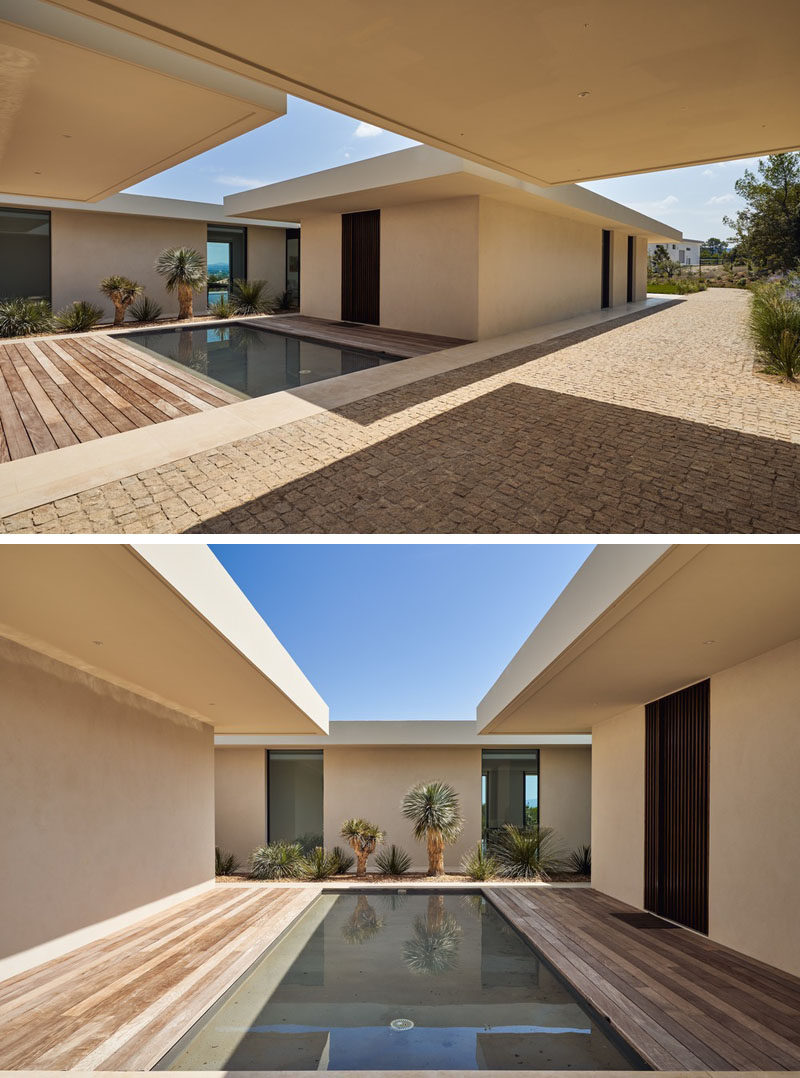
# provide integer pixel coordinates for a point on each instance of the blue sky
(401, 631)
(310, 138)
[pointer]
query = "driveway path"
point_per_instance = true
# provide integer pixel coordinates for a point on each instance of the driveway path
(653, 423)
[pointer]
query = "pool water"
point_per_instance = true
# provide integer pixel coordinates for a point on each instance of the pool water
(250, 360)
(400, 981)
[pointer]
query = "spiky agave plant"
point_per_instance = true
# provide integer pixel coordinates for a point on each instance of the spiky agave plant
(79, 316)
(318, 864)
(434, 810)
(479, 864)
(362, 837)
(394, 861)
(225, 864)
(145, 309)
(775, 330)
(526, 854)
(580, 861)
(122, 291)
(344, 861)
(276, 861)
(24, 317)
(250, 297)
(184, 272)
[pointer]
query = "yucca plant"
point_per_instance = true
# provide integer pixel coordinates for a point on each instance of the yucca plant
(775, 330)
(276, 861)
(79, 317)
(24, 317)
(394, 861)
(344, 861)
(480, 865)
(363, 923)
(526, 854)
(433, 948)
(225, 864)
(319, 864)
(309, 841)
(434, 810)
(362, 837)
(580, 861)
(145, 309)
(223, 308)
(184, 272)
(122, 291)
(249, 297)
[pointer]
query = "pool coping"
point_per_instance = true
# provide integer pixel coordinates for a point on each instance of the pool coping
(46, 477)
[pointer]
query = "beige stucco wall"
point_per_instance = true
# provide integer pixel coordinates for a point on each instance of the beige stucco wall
(371, 782)
(754, 861)
(640, 269)
(86, 247)
(106, 800)
(266, 257)
(429, 267)
(565, 793)
(321, 266)
(618, 806)
(240, 800)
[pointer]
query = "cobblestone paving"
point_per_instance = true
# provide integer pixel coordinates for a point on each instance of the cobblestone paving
(656, 424)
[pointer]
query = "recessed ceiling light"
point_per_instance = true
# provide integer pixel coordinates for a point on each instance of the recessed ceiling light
(66, 136)
(36, 172)
(98, 643)
(584, 93)
(709, 641)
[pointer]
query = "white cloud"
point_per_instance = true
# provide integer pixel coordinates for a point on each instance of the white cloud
(367, 130)
(658, 206)
(240, 182)
(720, 200)
(708, 172)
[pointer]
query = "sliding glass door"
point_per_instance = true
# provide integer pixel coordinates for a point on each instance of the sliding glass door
(294, 797)
(509, 789)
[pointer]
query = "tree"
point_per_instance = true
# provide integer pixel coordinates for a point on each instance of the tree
(768, 228)
(363, 837)
(661, 265)
(184, 271)
(122, 292)
(714, 245)
(434, 809)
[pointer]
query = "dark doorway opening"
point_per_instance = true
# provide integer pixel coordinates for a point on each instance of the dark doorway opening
(631, 263)
(605, 300)
(676, 806)
(361, 249)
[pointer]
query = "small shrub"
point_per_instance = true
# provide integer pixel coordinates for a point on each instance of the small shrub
(683, 286)
(249, 297)
(223, 308)
(345, 861)
(480, 865)
(580, 861)
(526, 855)
(308, 842)
(319, 864)
(145, 309)
(24, 317)
(225, 864)
(79, 317)
(394, 861)
(775, 330)
(276, 861)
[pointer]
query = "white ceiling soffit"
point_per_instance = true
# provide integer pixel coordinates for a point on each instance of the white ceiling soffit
(552, 91)
(87, 109)
(632, 626)
(164, 621)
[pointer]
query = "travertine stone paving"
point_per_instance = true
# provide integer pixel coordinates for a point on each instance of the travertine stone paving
(656, 424)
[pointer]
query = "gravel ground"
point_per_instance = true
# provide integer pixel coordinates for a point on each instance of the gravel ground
(655, 423)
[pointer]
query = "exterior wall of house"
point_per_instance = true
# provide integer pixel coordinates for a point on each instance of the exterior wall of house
(240, 800)
(266, 257)
(640, 269)
(321, 266)
(618, 806)
(754, 863)
(688, 249)
(429, 267)
(565, 793)
(106, 800)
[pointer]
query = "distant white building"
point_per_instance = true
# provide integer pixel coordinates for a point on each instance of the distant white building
(685, 253)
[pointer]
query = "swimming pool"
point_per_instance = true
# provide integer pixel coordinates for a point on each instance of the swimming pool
(251, 360)
(395, 981)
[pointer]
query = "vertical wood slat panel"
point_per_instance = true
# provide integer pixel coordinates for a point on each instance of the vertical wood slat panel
(677, 806)
(361, 267)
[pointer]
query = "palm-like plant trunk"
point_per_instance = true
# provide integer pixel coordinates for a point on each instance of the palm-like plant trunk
(435, 854)
(119, 313)
(185, 301)
(361, 862)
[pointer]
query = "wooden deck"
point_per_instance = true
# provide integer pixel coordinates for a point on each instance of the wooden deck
(120, 1004)
(683, 1002)
(392, 342)
(60, 391)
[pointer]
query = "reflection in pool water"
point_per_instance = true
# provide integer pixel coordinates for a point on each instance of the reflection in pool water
(388, 981)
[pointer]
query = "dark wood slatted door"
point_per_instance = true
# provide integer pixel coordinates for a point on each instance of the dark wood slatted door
(676, 806)
(361, 255)
(605, 284)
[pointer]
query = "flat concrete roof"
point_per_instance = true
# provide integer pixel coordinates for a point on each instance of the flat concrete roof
(550, 92)
(394, 734)
(637, 622)
(424, 174)
(161, 620)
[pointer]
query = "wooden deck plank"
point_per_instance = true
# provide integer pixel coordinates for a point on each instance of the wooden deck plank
(188, 383)
(14, 433)
(78, 385)
(40, 437)
(394, 342)
(55, 384)
(59, 428)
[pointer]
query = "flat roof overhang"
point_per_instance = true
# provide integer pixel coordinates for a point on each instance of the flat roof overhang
(393, 733)
(87, 109)
(164, 621)
(503, 85)
(638, 622)
(424, 174)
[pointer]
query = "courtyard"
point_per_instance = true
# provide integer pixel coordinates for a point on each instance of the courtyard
(652, 422)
